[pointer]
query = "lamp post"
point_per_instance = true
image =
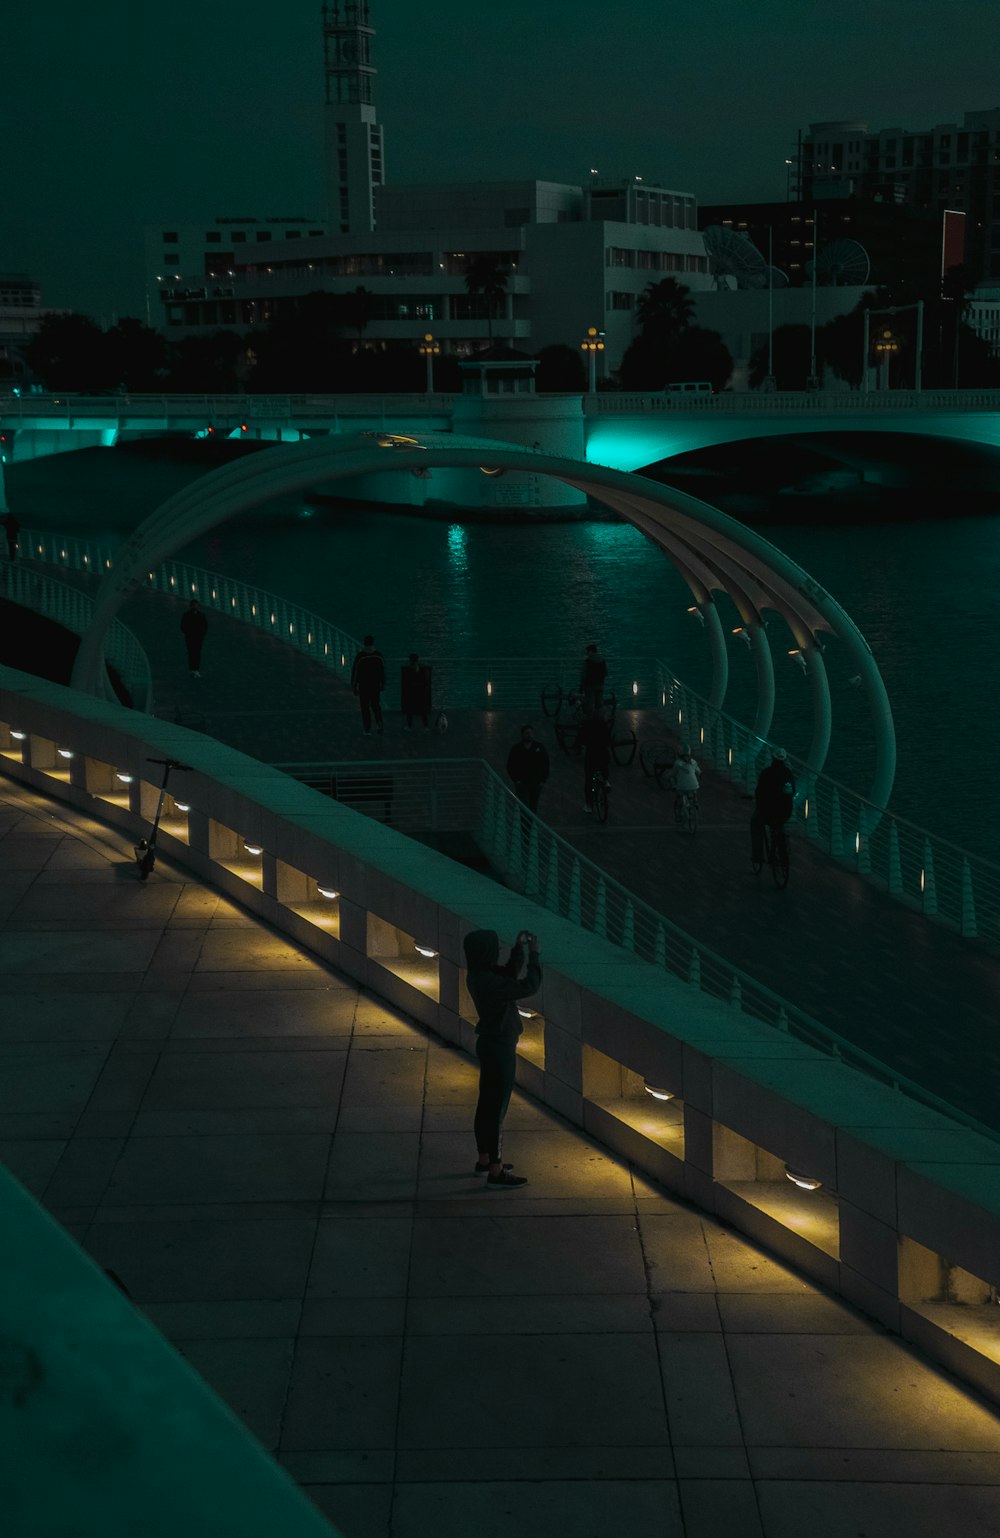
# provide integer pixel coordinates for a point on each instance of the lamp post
(592, 344)
(888, 344)
(429, 349)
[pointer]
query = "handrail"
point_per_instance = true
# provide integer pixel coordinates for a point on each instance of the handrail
(926, 872)
(806, 402)
(70, 607)
(912, 864)
(447, 795)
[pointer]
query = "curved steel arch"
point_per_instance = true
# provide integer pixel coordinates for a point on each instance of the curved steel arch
(711, 551)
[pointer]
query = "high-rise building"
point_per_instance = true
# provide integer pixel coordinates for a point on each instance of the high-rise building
(353, 138)
(949, 166)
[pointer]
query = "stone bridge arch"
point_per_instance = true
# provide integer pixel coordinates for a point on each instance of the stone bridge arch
(711, 551)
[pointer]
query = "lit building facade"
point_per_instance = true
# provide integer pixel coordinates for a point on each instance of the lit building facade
(573, 257)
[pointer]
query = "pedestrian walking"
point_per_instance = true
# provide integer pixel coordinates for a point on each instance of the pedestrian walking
(495, 990)
(368, 681)
(415, 691)
(592, 676)
(528, 767)
(195, 626)
(12, 529)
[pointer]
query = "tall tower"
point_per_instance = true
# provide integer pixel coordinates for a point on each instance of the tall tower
(354, 165)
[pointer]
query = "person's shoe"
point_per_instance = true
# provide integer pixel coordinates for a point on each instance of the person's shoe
(484, 1169)
(505, 1181)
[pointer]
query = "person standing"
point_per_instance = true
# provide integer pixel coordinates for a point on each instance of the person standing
(592, 677)
(368, 681)
(528, 767)
(415, 691)
(12, 529)
(195, 626)
(495, 990)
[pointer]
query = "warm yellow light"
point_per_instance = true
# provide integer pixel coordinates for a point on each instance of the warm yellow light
(126, 779)
(526, 1014)
(65, 752)
(658, 1094)
(19, 736)
(804, 1182)
(424, 950)
(489, 687)
(182, 806)
(253, 848)
(327, 891)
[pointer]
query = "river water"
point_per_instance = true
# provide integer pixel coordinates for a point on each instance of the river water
(921, 590)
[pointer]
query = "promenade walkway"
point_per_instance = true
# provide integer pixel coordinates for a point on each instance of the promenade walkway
(908, 991)
(277, 1166)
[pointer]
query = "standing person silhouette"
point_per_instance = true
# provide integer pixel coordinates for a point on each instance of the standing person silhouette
(195, 626)
(12, 529)
(415, 692)
(592, 676)
(368, 681)
(495, 990)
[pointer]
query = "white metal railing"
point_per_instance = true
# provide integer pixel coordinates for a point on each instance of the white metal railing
(467, 795)
(913, 864)
(793, 402)
(70, 607)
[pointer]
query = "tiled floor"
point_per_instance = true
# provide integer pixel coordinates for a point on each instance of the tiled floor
(278, 1167)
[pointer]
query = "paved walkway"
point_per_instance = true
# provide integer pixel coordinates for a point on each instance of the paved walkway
(911, 993)
(277, 1166)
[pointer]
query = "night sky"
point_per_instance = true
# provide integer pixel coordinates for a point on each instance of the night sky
(120, 113)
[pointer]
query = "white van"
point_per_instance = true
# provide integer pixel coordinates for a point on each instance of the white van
(690, 387)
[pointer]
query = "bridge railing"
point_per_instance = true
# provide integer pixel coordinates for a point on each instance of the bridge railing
(466, 795)
(918, 867)
(231, 409)
(791, 402)
(912, 864)
(70, 607)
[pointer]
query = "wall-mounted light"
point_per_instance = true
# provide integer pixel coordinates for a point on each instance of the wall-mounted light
(182, 806)
(804, 1182)
(741, 634)
(526, 1014)
(694, 609)
(328, 892)
(424, 950)
(18, 736)
(126, 779)
(797, 657)
(657, 1093)
(253, 848)
(635, 687)
(65, 752)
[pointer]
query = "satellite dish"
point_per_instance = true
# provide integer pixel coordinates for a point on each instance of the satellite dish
(843, 263)
(732, 254)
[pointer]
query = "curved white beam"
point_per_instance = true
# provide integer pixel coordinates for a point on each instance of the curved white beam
(677, 522)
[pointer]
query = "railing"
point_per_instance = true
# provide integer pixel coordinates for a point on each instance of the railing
(910, 863)
(805, 402)
(926, 872)
(460, 683)
(69, 607)
(466, 795)
(220, 408)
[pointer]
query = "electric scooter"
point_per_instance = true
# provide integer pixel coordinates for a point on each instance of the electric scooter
(145, 849)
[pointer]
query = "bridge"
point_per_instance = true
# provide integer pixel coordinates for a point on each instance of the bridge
(618, 431)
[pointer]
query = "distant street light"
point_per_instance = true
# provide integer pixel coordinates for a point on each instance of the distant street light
(592, 344)
(429, 349)
(888, 343)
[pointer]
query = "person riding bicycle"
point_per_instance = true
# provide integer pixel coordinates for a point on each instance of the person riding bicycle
(594, 737)
(773, 800)
(685, 775)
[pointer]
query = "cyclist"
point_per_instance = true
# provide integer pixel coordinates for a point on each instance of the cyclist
(773, 801)
(685, 775)
(594, 737)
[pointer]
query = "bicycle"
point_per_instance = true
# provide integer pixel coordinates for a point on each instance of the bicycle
(600, 788)
(775, 853)
(656, 759)
(686, 810)
(145, 849)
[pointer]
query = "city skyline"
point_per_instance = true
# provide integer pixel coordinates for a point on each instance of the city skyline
(123, 122)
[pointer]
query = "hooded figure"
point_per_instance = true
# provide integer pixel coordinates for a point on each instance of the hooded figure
(495, 990)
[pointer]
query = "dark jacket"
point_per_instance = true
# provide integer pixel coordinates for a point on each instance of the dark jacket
(594, 737)
(528, 763)
(194, 624)
(415, 689)
(368, 672)
(495, 989)
(774, 793)
(594, 671)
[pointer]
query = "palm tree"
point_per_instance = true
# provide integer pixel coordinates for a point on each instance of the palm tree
(487, 276)
(665, 309)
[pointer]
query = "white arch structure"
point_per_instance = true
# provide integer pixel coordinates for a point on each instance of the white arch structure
(711, 551)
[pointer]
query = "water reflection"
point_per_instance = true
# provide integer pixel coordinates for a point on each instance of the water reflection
(458, 548)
